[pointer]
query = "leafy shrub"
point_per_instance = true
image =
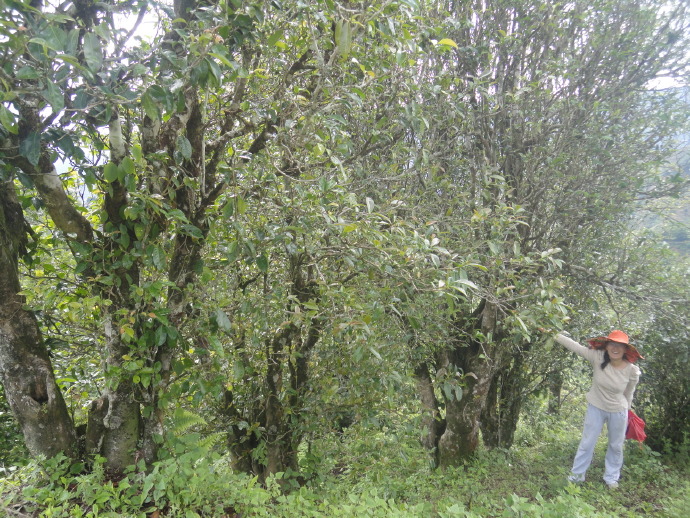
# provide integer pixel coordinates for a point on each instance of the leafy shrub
(366, 472)
(186, 486)
(664, 392)
(12, 449)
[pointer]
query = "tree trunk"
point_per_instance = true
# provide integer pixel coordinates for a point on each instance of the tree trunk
(491, 419)
(114, 424)
(474, 361)
(461, 437)
(242, 442)
(26, 371)
(502, 409)
(282, 434)
(277, 433)
(278, 410)
(283, 429)
(555, 386)
(510, 417)
(433, 425)
(114, 427)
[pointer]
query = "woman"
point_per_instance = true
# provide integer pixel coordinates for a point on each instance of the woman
(613, 385)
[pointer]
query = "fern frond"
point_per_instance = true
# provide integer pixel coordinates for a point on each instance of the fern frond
(210, 441)
(183, 419)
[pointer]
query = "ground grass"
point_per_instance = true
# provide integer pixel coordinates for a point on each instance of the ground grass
(374, 471)
(530, 479)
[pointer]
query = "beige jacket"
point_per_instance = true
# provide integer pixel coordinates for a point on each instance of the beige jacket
(612, 389)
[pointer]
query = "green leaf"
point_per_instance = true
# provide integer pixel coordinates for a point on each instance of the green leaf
(522, 324)
(223, 59)
(25, 179)
(448, 391)
(375, 353)
(81, 99)
(158, 256)
(199, 74)
(127, 167)
(139, 230)
(222, 320)
(150, 107)
(103, 31)
(30, 148)
(161, 336)
(240, 205)
(7, 120)
(71, 60)
(93, 52)
(56, 36)
(449, 42)
(54, 96)
(72, 42)
(111, 172)
(343, 37)
(45, 44)
(229, 209)
(27, 73)
(124, 237)
(319, 149)
(275, 38)
(184, 147)
(262, 263)
(192, 230)
(465, 282)
(76, 468)
(81, 267)
(215, 70)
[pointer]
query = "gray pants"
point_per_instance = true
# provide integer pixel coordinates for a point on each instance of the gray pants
(616, 422)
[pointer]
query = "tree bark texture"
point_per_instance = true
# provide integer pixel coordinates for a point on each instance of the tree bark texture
(433, 425)
(26, 371)
(114, 424)
(474, 359)
(502, 409)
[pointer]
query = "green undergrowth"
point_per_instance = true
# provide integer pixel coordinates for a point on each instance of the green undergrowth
(367, 472)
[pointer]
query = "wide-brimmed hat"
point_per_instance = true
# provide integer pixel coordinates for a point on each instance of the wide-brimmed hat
(631, 352)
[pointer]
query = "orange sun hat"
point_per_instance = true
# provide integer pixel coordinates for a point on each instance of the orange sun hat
(631, 352)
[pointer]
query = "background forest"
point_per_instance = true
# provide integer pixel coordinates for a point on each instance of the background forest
(289, 258)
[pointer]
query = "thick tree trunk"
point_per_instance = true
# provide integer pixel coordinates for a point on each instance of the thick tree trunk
(474, 360)
(460, 440)
(491, 418)
(433, 425)
(26, 371)
(114, 423)
(122, 428)
(283, 429)
(502, 409)
(242, 442)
